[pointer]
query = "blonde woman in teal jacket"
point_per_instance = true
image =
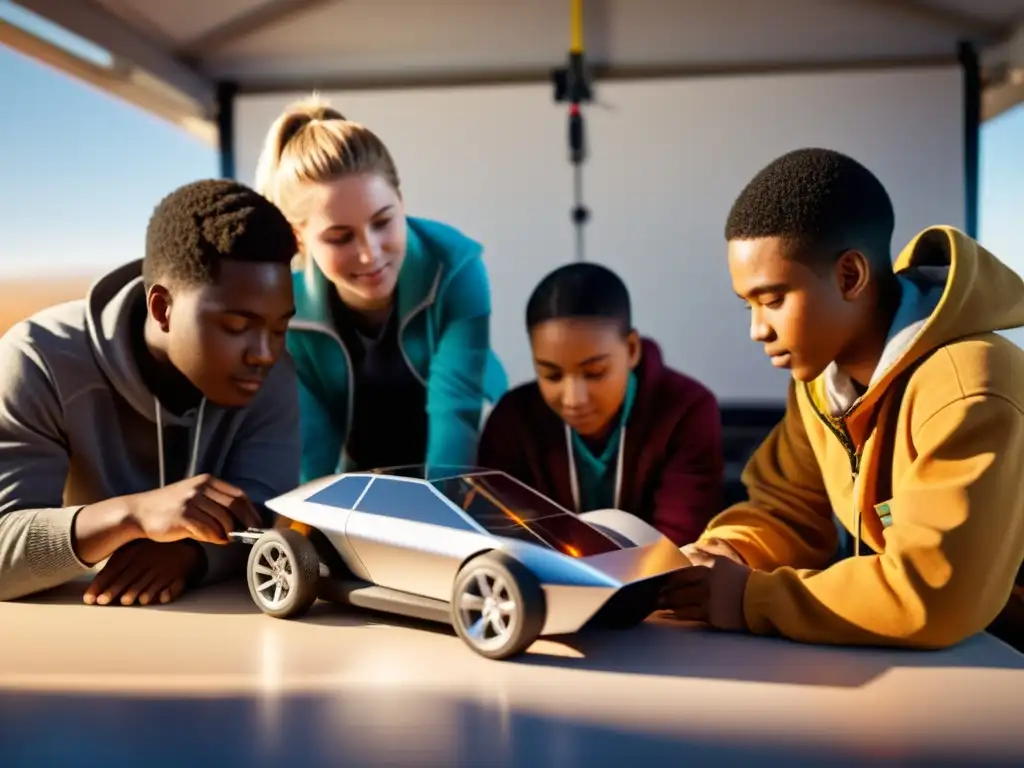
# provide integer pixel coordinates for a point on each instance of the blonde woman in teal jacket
(391, 337)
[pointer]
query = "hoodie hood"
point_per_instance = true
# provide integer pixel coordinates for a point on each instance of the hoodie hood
(951, 288)
(110, 306)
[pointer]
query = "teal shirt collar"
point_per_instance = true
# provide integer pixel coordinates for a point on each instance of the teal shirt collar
(596, 480)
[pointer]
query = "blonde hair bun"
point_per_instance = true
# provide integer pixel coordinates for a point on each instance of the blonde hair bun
(312, 142)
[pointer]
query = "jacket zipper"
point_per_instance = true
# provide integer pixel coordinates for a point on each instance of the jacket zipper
(319, 327)
(403, 322)
(845, 439)
(847, 442)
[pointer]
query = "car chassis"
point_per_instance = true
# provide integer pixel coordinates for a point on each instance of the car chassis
(472, 548)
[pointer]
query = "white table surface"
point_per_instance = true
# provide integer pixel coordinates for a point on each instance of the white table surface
(212, 680)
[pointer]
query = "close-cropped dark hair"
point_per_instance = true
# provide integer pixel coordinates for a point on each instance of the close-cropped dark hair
(821, 203)
(580, 290)
(199, 225)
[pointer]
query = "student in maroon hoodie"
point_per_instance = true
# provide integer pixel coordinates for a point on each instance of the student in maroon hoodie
(607, 424)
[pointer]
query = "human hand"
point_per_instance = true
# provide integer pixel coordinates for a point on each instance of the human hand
(700, 550)
(710, 591)
(203, 508)
(145, 571)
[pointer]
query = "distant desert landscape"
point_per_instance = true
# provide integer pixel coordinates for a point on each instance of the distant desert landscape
(22, 297)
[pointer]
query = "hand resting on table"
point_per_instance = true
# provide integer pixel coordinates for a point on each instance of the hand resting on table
(145, 572)
(711, 590)
(151, 537)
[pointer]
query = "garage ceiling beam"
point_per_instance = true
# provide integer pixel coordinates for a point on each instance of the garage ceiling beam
(264, 16)
(90, 21)
(1006, 55)
(1000, 98)
(113, 80)
(1004, 67)
(974, 26)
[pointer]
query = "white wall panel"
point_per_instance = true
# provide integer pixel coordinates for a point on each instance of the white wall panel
(667, 159)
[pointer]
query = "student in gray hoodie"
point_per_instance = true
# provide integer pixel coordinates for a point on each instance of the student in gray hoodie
(145, 422)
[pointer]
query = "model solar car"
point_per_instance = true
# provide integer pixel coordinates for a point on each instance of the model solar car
(469, 547)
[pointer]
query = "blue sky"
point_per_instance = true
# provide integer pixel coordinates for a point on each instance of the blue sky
(1002, 187)
(80, 171)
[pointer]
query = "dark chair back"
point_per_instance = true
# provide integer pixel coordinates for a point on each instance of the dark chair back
(744, 428)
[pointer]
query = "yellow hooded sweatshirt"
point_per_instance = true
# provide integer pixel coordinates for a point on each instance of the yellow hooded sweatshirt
(925, 470)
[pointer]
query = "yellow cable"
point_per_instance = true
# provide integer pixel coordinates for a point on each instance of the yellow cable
(576, 26)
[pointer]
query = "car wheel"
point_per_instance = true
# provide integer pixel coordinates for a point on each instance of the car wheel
(498, 606)
(283, 573)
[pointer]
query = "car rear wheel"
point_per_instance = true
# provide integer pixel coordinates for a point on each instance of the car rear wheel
(283, 573)
(498, 606)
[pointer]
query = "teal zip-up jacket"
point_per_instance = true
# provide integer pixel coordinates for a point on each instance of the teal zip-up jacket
(444, 309)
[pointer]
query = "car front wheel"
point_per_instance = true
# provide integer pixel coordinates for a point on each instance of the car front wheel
(498, 606)
(283, 573)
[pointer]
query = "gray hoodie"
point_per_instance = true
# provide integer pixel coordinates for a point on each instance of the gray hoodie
(78, 426)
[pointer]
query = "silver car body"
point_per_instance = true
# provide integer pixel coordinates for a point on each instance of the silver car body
(419, 549)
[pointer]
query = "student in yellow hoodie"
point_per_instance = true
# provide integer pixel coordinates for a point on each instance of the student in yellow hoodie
(905, 419)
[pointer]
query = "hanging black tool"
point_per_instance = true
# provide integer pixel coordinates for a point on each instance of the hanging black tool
(572, 85)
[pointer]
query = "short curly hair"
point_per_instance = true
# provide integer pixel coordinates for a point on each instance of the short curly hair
(821, 203)
(200, 224)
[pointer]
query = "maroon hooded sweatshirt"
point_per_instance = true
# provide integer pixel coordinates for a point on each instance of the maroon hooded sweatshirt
(672, 462)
